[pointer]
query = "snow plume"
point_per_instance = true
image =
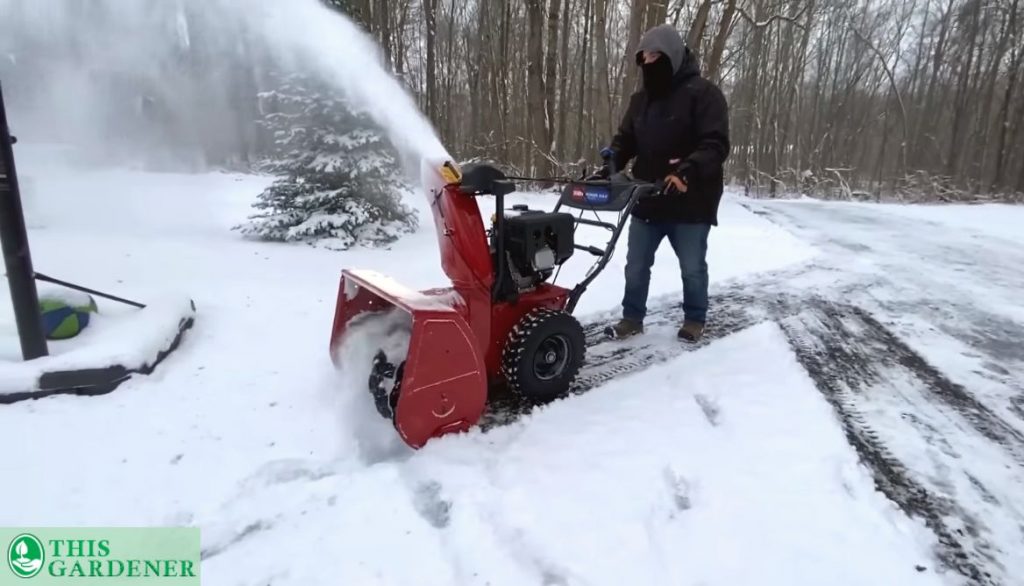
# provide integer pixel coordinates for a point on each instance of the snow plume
(367, 334)
(175, 83)
(313, 35)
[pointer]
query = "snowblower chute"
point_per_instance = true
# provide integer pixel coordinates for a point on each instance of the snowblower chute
(502, 324)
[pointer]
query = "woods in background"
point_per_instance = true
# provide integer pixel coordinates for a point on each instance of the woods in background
(838, 98)
(876, 98)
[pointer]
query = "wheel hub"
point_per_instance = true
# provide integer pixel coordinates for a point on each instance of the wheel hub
(552, 357)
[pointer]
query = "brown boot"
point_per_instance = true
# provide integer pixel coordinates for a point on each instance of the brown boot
(691, 331)
(626, 328)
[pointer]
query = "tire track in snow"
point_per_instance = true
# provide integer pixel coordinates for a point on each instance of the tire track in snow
(922, 363)
(962, 286)
(608, 360)
(843, 366)
(955, 396)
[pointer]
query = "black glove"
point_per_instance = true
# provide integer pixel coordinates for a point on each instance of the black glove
(608, 156)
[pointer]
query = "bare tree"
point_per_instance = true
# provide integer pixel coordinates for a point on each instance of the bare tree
(897, 98)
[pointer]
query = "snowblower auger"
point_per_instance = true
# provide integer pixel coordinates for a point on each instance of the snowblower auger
(501, 323)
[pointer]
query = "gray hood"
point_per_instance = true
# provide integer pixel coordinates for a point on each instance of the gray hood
(666, 39)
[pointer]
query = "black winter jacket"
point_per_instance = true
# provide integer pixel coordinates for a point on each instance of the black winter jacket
(688, 128)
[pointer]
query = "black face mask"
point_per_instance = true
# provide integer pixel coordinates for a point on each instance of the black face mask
(657, 77)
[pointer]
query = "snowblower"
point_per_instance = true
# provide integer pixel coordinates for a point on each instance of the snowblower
(502, 323)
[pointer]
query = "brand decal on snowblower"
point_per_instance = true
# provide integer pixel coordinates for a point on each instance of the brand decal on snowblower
(593, 195)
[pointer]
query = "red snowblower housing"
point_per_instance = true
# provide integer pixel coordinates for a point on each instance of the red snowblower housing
(502, 322)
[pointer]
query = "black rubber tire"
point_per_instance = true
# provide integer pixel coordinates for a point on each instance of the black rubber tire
(526, 360)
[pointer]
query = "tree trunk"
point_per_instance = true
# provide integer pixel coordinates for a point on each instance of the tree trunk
(700, 22)
(384, 33)
(584, 108)
(938, 59)
(551, 72)
(403, 16)
(450, 132)
(1018, 139)
(500, 82)
(629, 74)
(536, 91)
(657, 10)
(563, 105)
(602, 105)
(714, 62)
(478, 72)
(430, 15)
(960, 101)
(1016, 62)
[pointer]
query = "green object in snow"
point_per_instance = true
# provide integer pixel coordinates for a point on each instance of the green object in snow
(65, 316)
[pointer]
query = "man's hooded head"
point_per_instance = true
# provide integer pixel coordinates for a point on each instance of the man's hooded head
(675, 59)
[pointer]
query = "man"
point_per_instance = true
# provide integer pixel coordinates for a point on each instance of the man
(677, 129)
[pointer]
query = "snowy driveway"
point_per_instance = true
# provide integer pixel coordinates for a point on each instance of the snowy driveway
(912, 324)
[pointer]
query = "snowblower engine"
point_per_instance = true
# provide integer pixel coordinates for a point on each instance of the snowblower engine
(535, 243)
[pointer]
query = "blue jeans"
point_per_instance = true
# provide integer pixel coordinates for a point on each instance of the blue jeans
(690, 243)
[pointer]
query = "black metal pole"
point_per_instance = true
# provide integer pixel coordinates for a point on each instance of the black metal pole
(17, 258)
(48, 279)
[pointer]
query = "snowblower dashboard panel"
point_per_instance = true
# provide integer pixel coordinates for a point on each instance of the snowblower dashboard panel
(599, 196)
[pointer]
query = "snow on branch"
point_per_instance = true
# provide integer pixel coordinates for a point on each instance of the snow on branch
(339, 182)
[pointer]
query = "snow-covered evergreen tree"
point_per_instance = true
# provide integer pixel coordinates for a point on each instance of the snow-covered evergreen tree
(340, 179)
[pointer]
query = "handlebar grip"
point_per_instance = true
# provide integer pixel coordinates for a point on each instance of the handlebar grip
(608, 155)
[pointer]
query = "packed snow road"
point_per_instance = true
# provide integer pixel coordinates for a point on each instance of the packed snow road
(852, 418)
(911, 323)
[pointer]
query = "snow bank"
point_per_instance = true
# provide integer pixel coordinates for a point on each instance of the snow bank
(133, 341)
(735, 474)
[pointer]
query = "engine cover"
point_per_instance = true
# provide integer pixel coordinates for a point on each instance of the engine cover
(535, 243)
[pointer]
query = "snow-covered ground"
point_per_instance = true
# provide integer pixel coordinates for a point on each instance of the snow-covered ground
(992, 219)
(725, 465)
(911, 321)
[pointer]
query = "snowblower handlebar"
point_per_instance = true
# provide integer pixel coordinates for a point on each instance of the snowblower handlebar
(648, 189)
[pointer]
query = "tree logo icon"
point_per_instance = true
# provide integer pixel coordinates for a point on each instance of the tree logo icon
(25, 555)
